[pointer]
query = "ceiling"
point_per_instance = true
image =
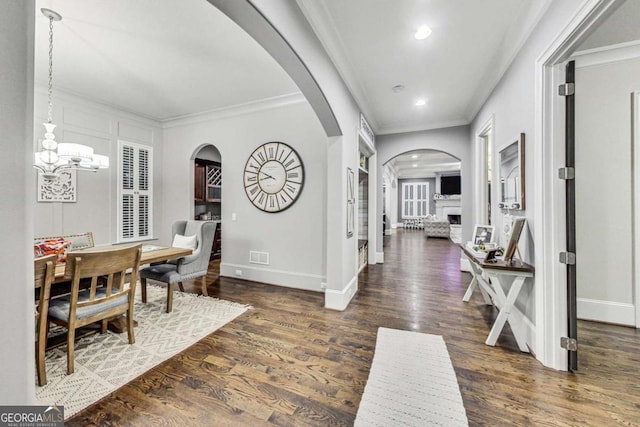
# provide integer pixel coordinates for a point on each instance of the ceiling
(454, 70)
(161, 59)
(165, 59)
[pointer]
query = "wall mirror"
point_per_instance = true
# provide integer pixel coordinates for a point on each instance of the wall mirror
(512, 175)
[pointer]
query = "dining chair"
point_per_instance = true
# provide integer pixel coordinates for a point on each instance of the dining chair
(185, 268)
(107, 296)
(44, 269)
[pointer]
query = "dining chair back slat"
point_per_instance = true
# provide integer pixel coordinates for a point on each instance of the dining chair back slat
(43, 272)
(107, 296)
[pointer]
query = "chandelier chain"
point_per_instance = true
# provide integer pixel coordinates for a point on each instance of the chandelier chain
(50, 92)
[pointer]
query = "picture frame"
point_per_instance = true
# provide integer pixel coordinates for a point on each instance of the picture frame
(514, 237)
(351, 200)
(483, 234)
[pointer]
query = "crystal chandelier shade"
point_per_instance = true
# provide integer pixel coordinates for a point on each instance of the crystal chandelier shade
(54, 156)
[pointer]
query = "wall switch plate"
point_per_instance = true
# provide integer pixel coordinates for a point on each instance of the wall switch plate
(234, 217)
(238, 272)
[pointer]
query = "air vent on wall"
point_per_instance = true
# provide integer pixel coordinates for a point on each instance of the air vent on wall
(259, 257)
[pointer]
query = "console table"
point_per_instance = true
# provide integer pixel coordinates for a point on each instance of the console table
(493, 278)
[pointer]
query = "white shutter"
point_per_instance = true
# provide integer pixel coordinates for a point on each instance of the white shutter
(135, 198)
(415, 199)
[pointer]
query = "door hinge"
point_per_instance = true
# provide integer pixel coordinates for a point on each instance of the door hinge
(567, 173)
(566, 89)
(570, 344)
(568, 258)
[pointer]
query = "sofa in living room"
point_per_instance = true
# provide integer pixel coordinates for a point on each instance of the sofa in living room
(436, 227)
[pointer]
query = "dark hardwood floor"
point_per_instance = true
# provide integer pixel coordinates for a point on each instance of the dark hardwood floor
(290, 362)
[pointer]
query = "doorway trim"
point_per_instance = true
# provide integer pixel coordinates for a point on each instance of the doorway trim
(483, 136)
(549, 212)
(635, 186)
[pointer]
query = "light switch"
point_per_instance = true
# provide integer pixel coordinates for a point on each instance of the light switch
(234, 217)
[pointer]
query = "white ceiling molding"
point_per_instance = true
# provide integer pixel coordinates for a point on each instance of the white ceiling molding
(235, 110)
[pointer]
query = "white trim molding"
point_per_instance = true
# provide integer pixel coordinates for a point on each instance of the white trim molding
(339, 300)
(549, 212)
(235, 110)
(606, 311)
(607, 54)
(289, 279)
(635, 186)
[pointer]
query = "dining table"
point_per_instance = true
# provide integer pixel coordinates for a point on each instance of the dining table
(150, 254)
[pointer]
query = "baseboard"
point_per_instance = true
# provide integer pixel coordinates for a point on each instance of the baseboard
(339, 300)
(289, 279)
(379, 257)
(606, 311)
(464, 264)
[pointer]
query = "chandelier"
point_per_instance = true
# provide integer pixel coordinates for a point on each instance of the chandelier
(55, 157)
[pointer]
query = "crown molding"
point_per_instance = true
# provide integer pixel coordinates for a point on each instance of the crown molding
(235, 110)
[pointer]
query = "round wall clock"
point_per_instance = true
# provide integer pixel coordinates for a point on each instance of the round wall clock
(273, 177)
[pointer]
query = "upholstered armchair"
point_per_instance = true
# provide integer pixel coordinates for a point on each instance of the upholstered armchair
(185, 268)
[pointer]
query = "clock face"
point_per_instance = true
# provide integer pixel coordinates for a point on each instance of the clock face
(273, 176)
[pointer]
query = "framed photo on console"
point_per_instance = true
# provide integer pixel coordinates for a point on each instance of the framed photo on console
(483, 234)
(516, 231)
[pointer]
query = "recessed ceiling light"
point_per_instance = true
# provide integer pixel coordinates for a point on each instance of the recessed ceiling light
(415, 165)
(420, 102)
(422, 33)
(397, 88)
(415, 156)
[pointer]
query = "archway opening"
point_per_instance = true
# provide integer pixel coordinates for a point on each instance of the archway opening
(422, 191)
(207, 191)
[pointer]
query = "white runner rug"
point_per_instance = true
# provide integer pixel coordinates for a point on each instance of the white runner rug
(411, 383)
(105, 362)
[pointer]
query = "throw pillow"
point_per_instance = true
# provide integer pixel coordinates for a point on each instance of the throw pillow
(58, 246)
(187, 242)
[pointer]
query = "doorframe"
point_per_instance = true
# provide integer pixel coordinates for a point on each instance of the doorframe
(549, 213)
(480, 194)
(635, 185)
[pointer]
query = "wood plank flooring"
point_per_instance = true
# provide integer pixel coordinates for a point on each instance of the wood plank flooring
(290, 362)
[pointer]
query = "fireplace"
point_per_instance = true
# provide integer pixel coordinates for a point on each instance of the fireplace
(454, 219)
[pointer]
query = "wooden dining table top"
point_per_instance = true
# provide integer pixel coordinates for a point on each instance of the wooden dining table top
(150, 253)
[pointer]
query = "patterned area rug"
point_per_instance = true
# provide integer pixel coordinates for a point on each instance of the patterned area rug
(411, 383)
(105, 362)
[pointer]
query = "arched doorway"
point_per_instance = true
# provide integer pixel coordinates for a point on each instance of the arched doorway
(207, 191)
(422, 187)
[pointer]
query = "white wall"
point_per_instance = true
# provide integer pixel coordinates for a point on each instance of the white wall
(304, 57)
(17, 376)
(294, 238)
(604, 153)
(512, 104)
(453, 140)
(99, 126)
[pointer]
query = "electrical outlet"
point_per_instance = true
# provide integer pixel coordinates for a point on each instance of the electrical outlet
(323, 285)
(238, 272)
